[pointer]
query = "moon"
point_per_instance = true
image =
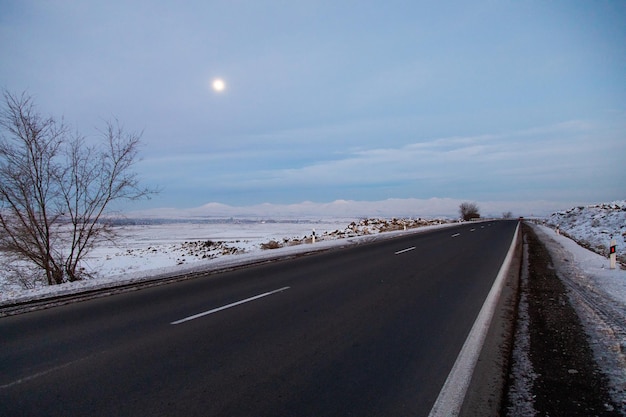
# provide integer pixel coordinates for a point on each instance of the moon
(218, 85)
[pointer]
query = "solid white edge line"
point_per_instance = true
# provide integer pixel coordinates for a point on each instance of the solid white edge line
(404, 250)
(451, 396)
(215, 310)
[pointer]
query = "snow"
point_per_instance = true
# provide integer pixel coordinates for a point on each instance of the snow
(151, 251)
(597, 292)
(594, 226)
(598, 295)
(520, 392)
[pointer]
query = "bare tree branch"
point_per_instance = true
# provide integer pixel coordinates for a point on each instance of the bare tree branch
(55, 188)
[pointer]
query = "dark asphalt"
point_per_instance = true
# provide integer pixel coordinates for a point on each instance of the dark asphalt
(360, 331)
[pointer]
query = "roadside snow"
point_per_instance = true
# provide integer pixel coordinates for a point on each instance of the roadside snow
(147, 252)
(594, 226)
(520, 396)
(598, 294)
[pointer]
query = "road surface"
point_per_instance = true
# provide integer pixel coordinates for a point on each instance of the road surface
(371, 330)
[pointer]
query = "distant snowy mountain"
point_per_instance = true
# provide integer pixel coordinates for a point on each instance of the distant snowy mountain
(594, 226)
(435, 207)
(350, 209)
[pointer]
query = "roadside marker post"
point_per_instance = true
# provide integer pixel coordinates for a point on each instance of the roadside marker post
(613, 254)
(313, 240)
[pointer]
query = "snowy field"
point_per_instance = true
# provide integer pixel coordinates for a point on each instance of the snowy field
(150, 251)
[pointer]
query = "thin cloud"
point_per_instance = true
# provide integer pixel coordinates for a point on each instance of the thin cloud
(482, 157)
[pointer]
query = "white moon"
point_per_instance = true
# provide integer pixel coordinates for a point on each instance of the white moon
(218, 85)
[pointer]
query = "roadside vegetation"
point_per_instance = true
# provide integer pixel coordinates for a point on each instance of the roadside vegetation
(469, 211)
(55, 185)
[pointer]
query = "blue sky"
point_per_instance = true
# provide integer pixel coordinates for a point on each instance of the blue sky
(326, 100)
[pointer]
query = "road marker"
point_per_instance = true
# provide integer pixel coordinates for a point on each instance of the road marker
(215, 310)
(405, 250)
(455, 235)
(613, 254)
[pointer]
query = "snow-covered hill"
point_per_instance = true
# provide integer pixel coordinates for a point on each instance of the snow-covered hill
(594, 226)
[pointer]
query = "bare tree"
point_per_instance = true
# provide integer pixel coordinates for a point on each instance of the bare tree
(55, 188)
(469, 211)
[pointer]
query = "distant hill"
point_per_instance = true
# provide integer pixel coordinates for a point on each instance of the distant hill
(349, 209)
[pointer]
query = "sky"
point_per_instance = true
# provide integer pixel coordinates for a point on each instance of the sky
(512, 101)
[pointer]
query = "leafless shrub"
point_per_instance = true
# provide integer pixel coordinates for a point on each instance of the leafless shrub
(469, 211)
(272, 244)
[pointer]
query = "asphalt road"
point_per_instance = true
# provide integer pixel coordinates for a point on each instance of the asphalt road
(372, 330)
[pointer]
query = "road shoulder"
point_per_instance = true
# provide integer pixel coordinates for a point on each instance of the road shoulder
(486, 390)
(564, 378)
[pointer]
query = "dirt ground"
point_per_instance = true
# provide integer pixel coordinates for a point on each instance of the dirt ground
(565, 380)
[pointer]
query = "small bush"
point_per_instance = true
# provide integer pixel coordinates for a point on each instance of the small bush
(272, 244)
